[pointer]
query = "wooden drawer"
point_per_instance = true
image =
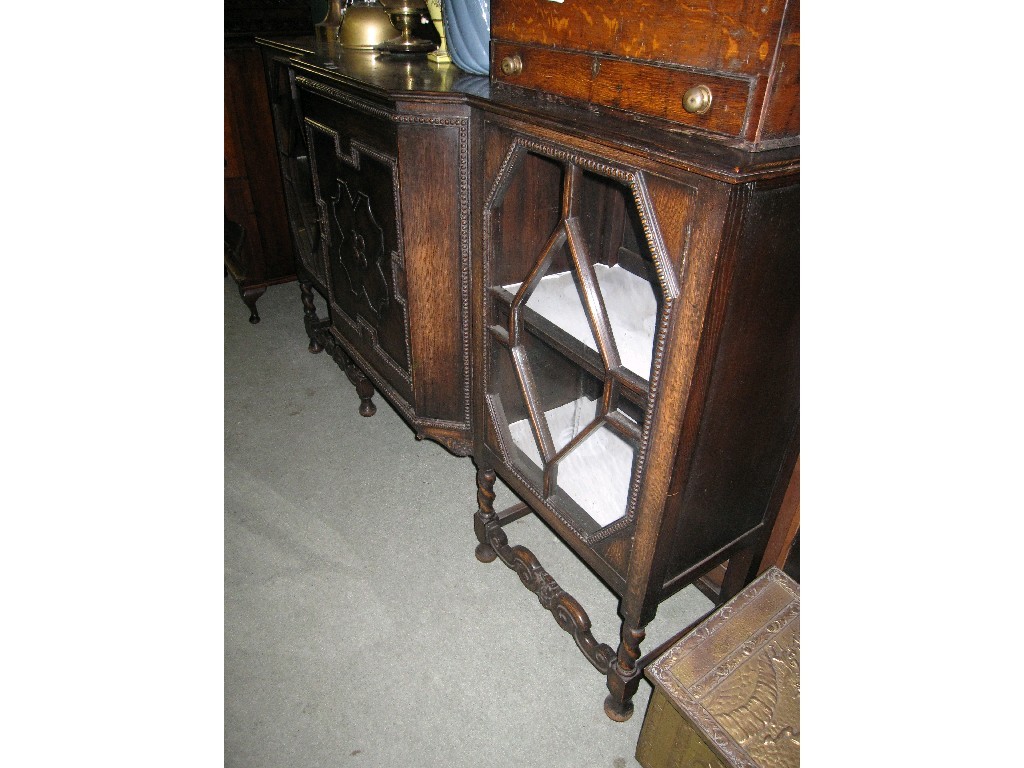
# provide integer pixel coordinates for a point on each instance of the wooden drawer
(641, 58)
(729, 36)
(647, 89)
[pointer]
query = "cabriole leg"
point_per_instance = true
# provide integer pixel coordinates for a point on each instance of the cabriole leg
(249, 296)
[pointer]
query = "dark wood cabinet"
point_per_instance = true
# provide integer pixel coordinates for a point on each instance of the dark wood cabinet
(377, 179)
(636, 358)
(604, 313)
(258, 250)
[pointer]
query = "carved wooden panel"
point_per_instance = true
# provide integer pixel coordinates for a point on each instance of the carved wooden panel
(360, 223)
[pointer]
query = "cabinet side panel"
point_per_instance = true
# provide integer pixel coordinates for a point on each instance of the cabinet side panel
(433, 170)
(752, 404)
(255, 160)
(293, 156)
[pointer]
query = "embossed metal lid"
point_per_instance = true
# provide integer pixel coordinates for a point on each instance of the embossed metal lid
(736, 677)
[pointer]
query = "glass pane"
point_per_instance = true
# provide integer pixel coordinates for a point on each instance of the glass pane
(552, 381)
(558, 298)
(633, 314)
(579, 456)
(596, 475)
(564, 422)
(568, 383)
(616, 251)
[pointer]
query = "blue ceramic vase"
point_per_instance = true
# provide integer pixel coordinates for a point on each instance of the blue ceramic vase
(467, 28)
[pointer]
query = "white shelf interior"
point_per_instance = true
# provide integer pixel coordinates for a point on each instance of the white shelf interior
(630, 302)
(596, 473)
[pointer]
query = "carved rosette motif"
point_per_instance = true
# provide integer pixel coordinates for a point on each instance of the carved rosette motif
(359, 249)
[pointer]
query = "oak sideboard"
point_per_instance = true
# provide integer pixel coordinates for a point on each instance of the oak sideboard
(600, 308)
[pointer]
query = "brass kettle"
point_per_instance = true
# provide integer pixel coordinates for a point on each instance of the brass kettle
(365, 26)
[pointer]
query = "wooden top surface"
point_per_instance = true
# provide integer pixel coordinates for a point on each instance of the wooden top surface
(397, 76)
(415, 79)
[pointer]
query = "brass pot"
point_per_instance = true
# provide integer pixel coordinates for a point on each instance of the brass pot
(366, 26)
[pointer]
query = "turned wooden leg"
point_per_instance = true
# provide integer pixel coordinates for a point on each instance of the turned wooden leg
(249, 296)
(364, 388)
(309, 318)
(624, 675)
(484, 517)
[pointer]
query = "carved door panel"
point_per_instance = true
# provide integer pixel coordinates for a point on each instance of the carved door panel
(355, 178)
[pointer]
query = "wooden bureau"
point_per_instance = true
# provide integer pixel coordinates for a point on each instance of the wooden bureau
(258, 250)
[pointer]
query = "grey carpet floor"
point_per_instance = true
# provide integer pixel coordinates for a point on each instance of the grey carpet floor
(359, 629)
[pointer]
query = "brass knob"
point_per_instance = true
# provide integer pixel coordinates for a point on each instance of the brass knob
(512, 65)
(697, 100)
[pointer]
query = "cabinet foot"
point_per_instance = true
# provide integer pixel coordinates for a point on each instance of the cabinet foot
(320, 339)
(364, 388)
(485, 553)
(249, 296)
(366, 406)
(624, 675)
(618, 711)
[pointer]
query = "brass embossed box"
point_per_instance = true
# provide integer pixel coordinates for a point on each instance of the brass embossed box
(728, 694)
